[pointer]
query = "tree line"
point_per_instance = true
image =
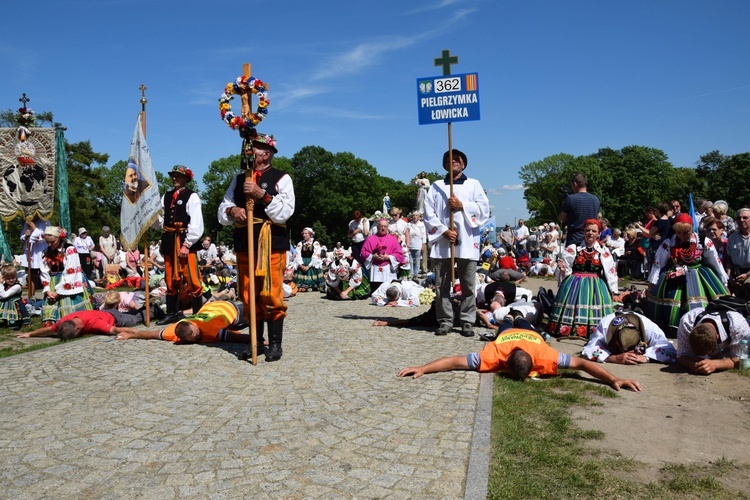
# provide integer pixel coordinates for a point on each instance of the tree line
(629, 180)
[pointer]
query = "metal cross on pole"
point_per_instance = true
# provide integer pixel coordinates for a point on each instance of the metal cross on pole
(23, 99)
(446, 61)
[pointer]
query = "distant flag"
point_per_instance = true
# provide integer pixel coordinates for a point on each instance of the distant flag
(692, 212)
(141, 203)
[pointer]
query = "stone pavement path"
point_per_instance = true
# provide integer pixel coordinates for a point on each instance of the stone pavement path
(98, 418)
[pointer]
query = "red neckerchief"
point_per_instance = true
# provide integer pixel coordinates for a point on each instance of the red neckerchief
(258, 172)
(175, 195)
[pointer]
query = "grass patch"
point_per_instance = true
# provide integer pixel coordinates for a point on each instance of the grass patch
(539, 452)
(10, 351)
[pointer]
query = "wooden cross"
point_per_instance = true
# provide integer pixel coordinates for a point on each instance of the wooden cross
(247, 95)
(23, 99)
(446, 60)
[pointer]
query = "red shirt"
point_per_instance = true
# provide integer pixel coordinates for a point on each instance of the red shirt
(94, 322)
(507, 262)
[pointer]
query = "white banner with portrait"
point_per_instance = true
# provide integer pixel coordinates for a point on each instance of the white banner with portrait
(141, 202)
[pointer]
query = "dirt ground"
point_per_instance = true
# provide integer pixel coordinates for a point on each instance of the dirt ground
(677, 418)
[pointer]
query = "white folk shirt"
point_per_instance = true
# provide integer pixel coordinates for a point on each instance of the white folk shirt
(728, 341)
(659, 347)
(468, 222)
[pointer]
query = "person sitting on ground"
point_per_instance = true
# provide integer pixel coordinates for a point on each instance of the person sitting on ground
(708, 340)
(93, 322)
(523, 261)
(548, 248)
(216, 321)
(397, 293)
(519, 352)
(616, 243)
(505, 261)
(344, 278)
(13, 310)
(629, 338)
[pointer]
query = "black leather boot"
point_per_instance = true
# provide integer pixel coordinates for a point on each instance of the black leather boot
(197, 303)
(261, 341)
(173, 312)
(275, 330)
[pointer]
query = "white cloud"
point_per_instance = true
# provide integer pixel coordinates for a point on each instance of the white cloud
(506, 187)
(370, 53)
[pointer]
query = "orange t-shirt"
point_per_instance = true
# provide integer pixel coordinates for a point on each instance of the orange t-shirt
(494, 356)
(212, 320)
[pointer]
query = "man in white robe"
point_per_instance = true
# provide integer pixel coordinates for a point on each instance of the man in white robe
(470, 208)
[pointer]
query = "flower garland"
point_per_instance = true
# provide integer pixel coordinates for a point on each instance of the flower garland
(243, 85)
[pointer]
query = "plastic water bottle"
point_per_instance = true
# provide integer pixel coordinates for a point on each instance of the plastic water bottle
(743, 354)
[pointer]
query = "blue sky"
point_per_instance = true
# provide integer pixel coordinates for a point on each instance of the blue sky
(553, 77)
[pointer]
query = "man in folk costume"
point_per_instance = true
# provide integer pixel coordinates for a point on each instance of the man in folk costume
(471, 210)
(183, 228)
(273, 193)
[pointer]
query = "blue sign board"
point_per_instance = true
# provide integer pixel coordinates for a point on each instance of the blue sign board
(451, 98)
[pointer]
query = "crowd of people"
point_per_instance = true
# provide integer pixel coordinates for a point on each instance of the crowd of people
(434, 255)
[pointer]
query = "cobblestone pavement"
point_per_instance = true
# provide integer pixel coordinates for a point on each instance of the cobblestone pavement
(99, 418)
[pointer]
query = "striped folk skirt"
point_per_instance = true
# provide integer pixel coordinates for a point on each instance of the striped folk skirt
(13, 312)
(66, 304)
(670, 299)
(313, 279)
(582, 300)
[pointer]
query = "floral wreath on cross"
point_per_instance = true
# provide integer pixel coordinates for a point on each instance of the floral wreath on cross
(243, 85)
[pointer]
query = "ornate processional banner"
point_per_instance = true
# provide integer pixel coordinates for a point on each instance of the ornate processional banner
(27, 172)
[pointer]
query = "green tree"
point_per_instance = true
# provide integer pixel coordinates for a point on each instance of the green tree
(329, 187)
(634, 178)
(722, 177)
(215, 181)
(545, 180)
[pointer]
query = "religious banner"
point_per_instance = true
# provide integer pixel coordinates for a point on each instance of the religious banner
(141, 202)
(27, 172)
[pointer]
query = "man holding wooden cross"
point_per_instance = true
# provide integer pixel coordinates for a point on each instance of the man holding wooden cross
(455, 210)
(273, 194)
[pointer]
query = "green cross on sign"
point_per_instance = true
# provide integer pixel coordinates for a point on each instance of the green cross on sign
(445, 60)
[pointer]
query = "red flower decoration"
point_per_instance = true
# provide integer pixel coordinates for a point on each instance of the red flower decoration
(580, 259)
(582, 331)
(71, 250)
(45, 283)
(596, 262)
(67, 286)
(70, 270)
(565, 330)
(551, 327)
(78, 284)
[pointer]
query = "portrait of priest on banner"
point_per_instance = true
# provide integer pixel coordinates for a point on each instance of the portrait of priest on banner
(135, 183)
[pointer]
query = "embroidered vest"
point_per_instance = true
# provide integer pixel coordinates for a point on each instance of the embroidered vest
(267, 181)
